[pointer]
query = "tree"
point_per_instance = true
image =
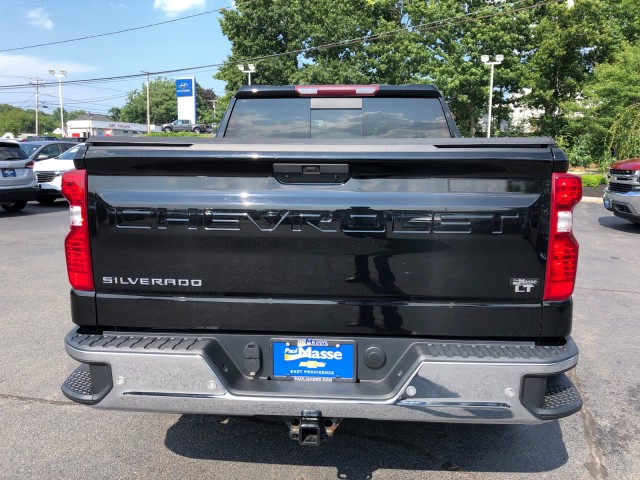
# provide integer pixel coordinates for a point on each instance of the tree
(163, 106)
(567, 44)
(381, 41)
(276, 28)
(16, 120)
(451, 51)
(613, 98)
(115, 113)
(624, 134)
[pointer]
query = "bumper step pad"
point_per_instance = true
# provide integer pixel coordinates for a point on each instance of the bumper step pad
(551, 397)
(561, 397)
(88, 384)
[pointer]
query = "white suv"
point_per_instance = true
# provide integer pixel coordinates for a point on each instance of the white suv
(50, 172)
(18, 182)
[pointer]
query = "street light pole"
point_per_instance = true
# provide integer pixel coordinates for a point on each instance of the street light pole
(60, 76)
(485, 60)
(251, 69)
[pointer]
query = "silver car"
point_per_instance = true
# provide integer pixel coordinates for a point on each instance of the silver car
(43, 149)
(18, 183)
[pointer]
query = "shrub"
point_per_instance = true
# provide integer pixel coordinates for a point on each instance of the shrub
(578, 154)
(175, 134)
(593, 180)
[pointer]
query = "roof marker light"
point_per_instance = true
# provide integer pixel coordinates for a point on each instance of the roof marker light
(337, 90)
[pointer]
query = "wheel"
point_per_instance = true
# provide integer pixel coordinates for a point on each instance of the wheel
(46, 200)
(196, 130)
(14, 206)
(167, 130)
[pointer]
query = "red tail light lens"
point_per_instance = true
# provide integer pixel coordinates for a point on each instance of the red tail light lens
(76, 245)
(562, 255)
(29, 164)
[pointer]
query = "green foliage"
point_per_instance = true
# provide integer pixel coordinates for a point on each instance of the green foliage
(163, 107)
(614, 87)
(175, 134)
(115, 113)
(450, 55)
(162, 101)
(624, 134)
(274, 27)
(567, 44)
(16, 120)
(593, 180)
(579, 154)
(580, 65)
(549, 49)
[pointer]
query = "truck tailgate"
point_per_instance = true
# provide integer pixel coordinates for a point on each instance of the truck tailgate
(412, 238)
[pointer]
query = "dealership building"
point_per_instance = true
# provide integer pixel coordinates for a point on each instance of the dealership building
(103, 126)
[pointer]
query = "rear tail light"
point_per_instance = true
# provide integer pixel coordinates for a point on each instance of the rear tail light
(29, 164)
(562, 255)
(337, 90)
(76, 245)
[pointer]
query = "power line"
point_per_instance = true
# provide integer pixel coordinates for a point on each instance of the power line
(458, 20)
(115, 32)
(107, 88)
(30, 97)
(71, 101)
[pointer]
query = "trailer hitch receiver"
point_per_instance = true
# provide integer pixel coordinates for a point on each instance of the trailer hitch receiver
(311, 428)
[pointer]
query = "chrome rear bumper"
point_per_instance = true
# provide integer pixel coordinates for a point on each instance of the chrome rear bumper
(466, 382)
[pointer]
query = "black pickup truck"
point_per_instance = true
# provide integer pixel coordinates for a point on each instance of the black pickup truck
(338, 252)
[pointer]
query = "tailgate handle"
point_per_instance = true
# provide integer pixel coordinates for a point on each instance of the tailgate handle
(325, 173)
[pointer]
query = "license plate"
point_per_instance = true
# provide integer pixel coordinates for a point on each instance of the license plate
(314, 360)
(8, 172)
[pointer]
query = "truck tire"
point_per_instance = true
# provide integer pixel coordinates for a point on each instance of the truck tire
(196, 130)
(167, 130)
(14, 206)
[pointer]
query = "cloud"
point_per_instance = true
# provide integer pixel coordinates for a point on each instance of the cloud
(175, 7)
(30, 66)
(39, 17)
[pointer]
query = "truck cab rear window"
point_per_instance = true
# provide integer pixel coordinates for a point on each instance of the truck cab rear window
(337, 118)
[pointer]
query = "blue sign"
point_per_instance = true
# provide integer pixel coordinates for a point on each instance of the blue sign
(314, 360)
(184, 87)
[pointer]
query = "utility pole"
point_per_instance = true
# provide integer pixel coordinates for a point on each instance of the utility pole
(148, 114)
(36, 82)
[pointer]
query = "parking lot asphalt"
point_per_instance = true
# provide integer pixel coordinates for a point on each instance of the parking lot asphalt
(43, 435)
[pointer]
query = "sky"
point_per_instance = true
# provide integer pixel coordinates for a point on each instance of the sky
(183, 43)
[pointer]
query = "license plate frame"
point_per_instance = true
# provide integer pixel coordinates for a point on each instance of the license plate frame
(304, 365)
(9, 173)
